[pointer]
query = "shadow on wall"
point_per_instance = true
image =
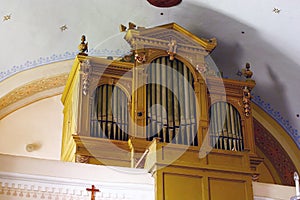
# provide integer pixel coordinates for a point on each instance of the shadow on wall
(277, 86)
(239, 43)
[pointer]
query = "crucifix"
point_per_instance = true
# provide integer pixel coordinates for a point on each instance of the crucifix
(93, 190)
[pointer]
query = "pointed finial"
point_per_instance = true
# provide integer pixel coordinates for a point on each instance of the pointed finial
(131, 25)
(122, 28)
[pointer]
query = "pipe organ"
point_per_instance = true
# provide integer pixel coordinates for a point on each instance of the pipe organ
(109, 113)
(225, 127)
(163, 108)
(171, 87)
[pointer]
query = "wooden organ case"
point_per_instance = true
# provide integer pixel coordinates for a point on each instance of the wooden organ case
(165, 109)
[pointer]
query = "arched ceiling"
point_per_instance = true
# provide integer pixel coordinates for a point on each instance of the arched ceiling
(263, 33)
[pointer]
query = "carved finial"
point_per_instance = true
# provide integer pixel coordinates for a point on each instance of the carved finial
(247, 72)
(83, 46)
(123, 28)
(131, 25)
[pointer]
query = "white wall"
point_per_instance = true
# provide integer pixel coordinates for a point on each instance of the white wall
(265, 191)
(39, 123)
(35, 179)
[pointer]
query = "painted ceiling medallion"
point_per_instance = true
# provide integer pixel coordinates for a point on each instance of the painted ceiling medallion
(164, 3)
(63, 28)
(276, 10)
(7, 17)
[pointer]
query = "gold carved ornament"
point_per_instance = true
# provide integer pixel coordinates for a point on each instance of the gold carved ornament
(246, 100)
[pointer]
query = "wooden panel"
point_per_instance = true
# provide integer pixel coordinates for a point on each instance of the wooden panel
(229, 159)
(179, 187)
(103, 151)
(172, 153)
(223, 189)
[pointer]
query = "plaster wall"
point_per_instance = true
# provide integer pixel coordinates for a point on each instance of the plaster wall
(39, 123)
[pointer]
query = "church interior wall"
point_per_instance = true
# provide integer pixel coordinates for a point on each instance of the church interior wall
(39, 124)
(32, 178)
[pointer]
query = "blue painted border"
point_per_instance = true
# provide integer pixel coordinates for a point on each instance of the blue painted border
(106, 52)
(278, 118)
(56, 58)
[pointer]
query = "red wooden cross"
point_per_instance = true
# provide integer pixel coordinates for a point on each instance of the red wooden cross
(93, 190)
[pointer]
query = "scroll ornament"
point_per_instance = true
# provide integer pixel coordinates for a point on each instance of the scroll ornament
(140, 56)
(82, 159)
(85, 68)
(201, 68)
(247, 100)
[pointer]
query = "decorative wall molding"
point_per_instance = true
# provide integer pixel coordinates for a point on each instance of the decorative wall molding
(24, 186)
(294, 134)
(31, 187)
(32, 92)
(32, 88)
(275, 153)
(67, 180)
